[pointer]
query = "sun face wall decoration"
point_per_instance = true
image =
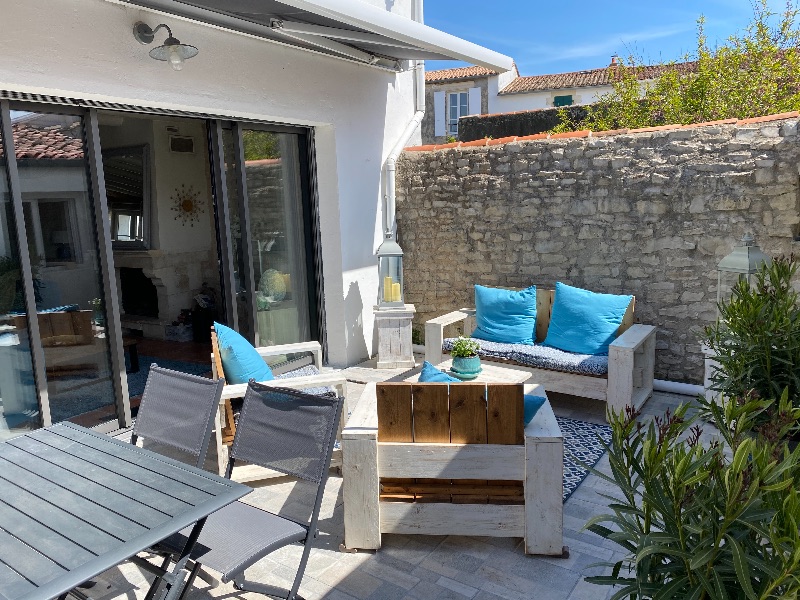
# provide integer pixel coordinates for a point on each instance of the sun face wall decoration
(187, 204)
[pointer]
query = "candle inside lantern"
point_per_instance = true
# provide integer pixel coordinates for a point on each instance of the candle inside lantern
(395, 292)
(387, 289)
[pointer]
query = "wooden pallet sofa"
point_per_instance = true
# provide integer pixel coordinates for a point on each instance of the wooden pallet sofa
(624, 377)
(439, 459)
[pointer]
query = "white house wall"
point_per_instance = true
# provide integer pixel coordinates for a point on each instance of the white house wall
(83, 48)
(544, 99)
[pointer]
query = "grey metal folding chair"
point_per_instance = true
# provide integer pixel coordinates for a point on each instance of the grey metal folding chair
(178, 410)
(288, 431)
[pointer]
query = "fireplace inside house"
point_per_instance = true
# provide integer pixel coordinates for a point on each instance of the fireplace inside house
(139, 294)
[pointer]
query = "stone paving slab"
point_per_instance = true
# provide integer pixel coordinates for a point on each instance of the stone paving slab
(422, 567)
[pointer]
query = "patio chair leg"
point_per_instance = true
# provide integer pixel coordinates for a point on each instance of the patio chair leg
(151, 593)
(189, 582)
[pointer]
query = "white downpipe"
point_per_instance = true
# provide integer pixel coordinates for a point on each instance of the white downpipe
(676, 387)
(390, 166)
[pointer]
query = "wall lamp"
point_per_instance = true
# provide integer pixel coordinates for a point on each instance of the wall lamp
(172, 50)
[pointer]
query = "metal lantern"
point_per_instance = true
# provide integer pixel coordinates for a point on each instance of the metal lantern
(745, 260)
(390, 271)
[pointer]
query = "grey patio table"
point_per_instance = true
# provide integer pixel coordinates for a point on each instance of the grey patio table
(74, 503)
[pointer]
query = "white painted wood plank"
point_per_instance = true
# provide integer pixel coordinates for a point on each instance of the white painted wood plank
(620, 378)
(452, 519)
(543, 427)
(363, 423)
(634, 337)
(360, 493)
(544, 508)
(334, 379)
(451, 461)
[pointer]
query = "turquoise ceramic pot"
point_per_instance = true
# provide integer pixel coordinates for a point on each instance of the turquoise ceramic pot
(470, 365)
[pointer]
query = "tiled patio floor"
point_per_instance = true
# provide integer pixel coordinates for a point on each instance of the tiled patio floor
(423, 567)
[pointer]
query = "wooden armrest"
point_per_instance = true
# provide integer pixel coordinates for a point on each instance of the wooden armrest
(363, 423)
(336, 380)
(632, 339)
(450, 318)
(434, 332)
(313, 347)
(543, 426)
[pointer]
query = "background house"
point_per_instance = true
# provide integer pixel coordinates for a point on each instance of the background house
(454, 93)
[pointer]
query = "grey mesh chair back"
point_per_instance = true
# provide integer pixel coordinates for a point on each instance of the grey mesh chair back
(177, 409)
(286, 430)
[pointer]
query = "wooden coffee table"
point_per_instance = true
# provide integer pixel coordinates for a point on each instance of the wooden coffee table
(490, 373)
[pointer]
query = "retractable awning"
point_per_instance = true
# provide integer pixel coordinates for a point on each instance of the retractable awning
(349, 29)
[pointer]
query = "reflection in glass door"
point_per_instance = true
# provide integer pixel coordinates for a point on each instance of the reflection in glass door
(19, 406)
(277, 238)
(63, 245)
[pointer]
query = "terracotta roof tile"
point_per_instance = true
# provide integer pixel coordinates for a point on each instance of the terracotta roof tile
(590, 78)
(457, 74)
(47, 143)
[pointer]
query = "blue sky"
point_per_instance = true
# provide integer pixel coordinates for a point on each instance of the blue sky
(546, 36)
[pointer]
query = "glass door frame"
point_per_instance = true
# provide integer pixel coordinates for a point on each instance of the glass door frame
(225, 243)
(101, 228)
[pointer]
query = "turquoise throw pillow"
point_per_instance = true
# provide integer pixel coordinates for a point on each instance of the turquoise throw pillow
(584, 322)
(531, 407)
(505, 316)
(240, 361)
(430, 374)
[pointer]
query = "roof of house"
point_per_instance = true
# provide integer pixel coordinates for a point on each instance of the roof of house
(457, 74)
(47, 143)
(586, 78)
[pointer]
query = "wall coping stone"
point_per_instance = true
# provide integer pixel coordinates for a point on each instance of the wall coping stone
(589, 134)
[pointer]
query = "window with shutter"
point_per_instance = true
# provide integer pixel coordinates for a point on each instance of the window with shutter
(563, 100)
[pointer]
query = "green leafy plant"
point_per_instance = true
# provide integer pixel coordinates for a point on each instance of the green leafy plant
(450, 139)
(465, 347)
(754, 72)
(756, 339)
(715, 520)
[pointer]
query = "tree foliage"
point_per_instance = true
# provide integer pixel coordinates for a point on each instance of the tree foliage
(259, 145)
(754, 72)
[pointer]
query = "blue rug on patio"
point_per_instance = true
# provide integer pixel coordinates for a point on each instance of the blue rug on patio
(137, 380)
(581, 442)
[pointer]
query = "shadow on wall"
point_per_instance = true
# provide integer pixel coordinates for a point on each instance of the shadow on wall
(357, 350)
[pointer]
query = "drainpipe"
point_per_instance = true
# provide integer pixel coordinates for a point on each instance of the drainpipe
(390, 166)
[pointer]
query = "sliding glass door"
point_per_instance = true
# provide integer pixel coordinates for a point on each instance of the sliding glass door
(57, 349)
(19, 405)
(272, 234)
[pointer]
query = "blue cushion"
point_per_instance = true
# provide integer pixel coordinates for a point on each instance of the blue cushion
(584, 322)
(430, 374)
(531, 407)
(240, 361)
(505, 316)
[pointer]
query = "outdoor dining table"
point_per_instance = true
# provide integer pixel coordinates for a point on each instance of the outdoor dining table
(74, 503)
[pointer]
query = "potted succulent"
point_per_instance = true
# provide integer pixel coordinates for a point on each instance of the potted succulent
(466, 362)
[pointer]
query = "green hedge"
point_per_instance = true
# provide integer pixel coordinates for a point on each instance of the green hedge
(527, 122)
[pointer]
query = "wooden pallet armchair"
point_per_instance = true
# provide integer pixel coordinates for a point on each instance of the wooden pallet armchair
(226, 425)
(439, 459)
(631, 356)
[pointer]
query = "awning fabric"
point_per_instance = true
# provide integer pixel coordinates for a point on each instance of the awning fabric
(349, 29)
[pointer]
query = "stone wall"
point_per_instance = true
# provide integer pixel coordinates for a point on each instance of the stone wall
(648, 213)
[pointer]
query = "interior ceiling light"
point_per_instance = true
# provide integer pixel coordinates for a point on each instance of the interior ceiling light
(172, 50)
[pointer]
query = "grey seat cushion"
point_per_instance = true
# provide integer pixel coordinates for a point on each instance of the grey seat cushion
(541, 357)
(305, 372)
